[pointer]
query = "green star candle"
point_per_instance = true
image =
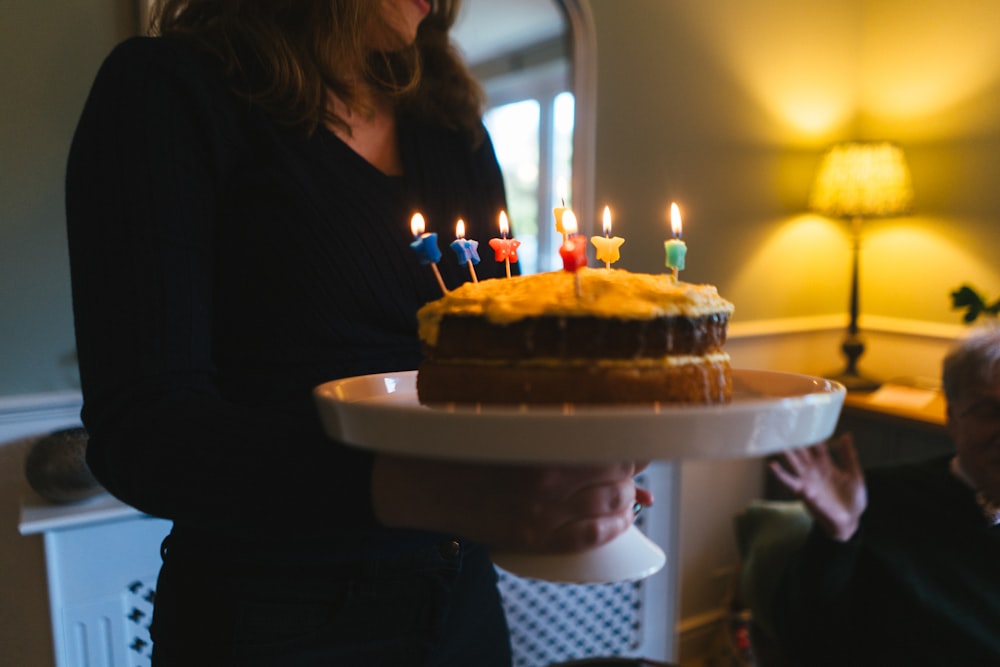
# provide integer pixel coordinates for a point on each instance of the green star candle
(676, 248)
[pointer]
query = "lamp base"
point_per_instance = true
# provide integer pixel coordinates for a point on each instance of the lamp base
(853, 381)
(853, 347)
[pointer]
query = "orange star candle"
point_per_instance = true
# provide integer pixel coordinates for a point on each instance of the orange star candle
(676, 248)
(607, 245)
(505, 249)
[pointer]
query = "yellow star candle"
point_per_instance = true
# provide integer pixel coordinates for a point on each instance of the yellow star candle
(607, 245)
(675, 247)
(558, 212)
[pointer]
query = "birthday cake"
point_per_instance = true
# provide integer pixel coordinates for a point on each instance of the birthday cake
(611, 337)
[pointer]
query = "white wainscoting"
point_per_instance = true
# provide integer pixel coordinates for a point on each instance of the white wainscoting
(25, 626)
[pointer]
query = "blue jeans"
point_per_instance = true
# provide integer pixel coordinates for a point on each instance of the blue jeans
(438, 606)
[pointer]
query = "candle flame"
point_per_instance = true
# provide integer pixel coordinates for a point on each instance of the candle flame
(607, 221)
(417, 224)
(562, 188)
(504, 225)
(460, 229)
(569, 222)
(675, 221)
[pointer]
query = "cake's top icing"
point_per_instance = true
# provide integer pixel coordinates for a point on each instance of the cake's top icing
(607, 293)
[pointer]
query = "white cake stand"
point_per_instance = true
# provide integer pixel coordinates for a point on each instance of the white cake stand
(770, 412)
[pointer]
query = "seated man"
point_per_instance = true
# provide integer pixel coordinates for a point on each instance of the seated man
(903, 568)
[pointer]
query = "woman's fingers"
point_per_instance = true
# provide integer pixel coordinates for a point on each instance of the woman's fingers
(588, 533)
(526, 508)
(644, 497)
(848, 454)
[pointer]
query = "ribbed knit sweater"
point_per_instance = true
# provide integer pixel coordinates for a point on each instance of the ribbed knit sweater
(223, 265)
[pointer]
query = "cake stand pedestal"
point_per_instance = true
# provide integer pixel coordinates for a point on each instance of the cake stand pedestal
(770, 412)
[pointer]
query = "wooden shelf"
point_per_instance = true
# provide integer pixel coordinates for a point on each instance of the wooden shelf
(896, 424)
(920, 408)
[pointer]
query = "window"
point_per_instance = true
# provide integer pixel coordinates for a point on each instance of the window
(535, 60)
(530, 120)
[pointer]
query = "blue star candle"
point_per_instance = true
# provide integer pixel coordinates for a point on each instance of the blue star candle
(676, 249)
(426, 247)
(466, 250)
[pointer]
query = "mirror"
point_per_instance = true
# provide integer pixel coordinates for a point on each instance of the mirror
(522, 51)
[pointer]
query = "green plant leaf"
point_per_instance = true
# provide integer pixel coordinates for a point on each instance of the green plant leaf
(968, 298)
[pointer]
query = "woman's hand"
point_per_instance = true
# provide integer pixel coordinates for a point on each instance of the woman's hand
(530, 509)
(835, 495)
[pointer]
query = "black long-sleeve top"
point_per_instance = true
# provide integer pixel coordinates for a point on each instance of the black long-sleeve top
(918, 584)
(222, 266)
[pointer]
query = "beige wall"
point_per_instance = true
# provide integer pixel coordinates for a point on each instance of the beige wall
(721, 105)
(725, 106)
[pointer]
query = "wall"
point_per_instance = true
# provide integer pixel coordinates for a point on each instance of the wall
(49, 54)
(726, 107)
(48, 57)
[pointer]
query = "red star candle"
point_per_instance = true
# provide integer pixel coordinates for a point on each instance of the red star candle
(574, 249)
(505, 249)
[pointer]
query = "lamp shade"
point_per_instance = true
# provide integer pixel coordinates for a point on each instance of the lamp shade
(862, 179)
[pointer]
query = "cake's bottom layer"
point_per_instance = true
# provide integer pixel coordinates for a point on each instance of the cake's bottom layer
(701, 382)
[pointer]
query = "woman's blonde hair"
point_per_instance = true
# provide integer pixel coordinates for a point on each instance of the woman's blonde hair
(289, 56)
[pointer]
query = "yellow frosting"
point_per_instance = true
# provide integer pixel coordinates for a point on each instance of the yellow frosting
(607, 293)
(640, 363)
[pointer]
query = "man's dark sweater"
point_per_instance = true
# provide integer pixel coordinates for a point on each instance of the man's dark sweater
(918, 584)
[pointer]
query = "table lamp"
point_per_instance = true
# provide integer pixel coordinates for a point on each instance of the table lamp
(858, 180)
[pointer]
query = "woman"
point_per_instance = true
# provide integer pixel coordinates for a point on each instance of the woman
(238, 197)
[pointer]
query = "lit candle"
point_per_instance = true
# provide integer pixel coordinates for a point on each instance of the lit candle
(465, 249)
(558, 212)
(505, 249)
(607, 245)
(675, 247)
(574, 249)
(426, 247)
